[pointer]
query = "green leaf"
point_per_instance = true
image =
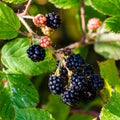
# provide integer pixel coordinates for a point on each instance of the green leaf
(110, 73)
(9, 22)
(65, 3)
(80, 117)
(108, 7)
(82, 50)
(111, 110)
(33, 114)
(18, 92)
(113, 24)
(55, 106)
(15, 1)
(106, 45)
(15, 58)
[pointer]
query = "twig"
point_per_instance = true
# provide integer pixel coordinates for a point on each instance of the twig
(25, 24)
(28, 17)
(83, 22)
(76, 44)
(27, 8)
(91, 113)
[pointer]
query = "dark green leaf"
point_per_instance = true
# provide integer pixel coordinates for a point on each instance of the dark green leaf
(57, 108)
(9, 22)
(113, 24)
(18, 92)
(65, 3)
(111, 110)
(108, 7)
(33, 114)
(15, 1)
(15, 58)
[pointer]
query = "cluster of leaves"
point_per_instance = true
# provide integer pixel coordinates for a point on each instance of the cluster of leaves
(19, 97)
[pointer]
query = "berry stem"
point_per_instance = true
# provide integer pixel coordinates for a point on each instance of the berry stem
(91, 113)
(83, 22)
(27, 8)
(25, 24)
(28, 17)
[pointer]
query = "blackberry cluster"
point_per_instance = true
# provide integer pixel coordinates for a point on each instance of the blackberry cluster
(36, 53)
(80, 81)
(53, 20)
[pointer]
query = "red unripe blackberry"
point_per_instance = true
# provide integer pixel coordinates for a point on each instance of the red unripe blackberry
(53, 20)
(94, 24)
(95, 82)
(75, 62)
(45, 42)
(39, 20)
(78, 81)
(36, 53)
(71, 96)
(56, 84)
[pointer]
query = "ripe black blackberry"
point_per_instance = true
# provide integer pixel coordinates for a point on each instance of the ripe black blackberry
(87, 95)
(78, 81)
(95, 82)
(63, 71)
(36, 53)
(71, 96)
(53, 20)
(56, 84)
(88, 70)
(75, 62)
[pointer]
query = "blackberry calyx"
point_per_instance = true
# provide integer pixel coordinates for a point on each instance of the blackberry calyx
(53, 20)
(56, 84)
(36, 53)
(75, 62)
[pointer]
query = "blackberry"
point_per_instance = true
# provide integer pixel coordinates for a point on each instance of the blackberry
(53, 20)
(56, 84)
(87, 95)
(95, 82)
(71, 96)
(63, 71)
(36, 53)
(87, 70)
(78, 81)
(75, 62)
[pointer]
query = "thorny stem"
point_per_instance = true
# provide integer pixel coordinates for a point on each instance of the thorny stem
(28, 17)
(91, 113)
(25, 24)
(83, 23)
(26, 8)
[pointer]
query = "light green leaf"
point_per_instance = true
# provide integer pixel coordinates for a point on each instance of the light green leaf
(18, 92)
(33, 114)
(16, 1)
(108, 7)
(65, 3)
(80, 117)
(9, 22)
(15, 58)
(110, 73)
(111, 110)
(106, 45)
(113, 24)
(57, 108)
